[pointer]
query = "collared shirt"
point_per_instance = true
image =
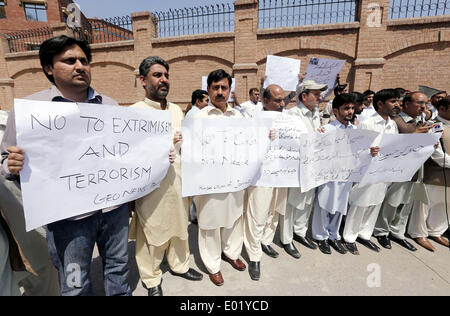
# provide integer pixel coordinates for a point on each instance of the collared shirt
(249, 109)
(194, 110)
(310, 118)
(378, 124)
(211, 110)
(53, 94)
(338, 125)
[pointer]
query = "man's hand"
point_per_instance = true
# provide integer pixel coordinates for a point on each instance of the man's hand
(172, 156)
(15, 159)
(177, 138)
(273, 134)
(374, 151)
(423, 128)
(321, 130)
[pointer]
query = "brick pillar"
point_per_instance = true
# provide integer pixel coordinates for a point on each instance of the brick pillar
(370, 46)
(61, 28)
(145, 29)
(6, 83)
(245, 68)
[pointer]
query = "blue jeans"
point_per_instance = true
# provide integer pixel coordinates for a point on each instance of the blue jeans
(71, 245)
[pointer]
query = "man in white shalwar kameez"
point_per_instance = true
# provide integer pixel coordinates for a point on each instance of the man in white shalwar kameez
(365, 202)
(261, 220)
(294, 224)
(220, 223)
(393, 218)
(332, 198)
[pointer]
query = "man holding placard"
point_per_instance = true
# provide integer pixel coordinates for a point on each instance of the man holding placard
(294, 224)
(365, 202)
(161, 219)
(220, 222)
(66, 63)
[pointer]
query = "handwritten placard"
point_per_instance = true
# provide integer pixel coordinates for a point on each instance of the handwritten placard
(222, 155)
(336, 156)
(324, 71)
(401, 155)
(281, 164)
(282, 71)
(84, 157)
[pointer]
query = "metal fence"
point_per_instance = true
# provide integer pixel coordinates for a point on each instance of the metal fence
(401, 9)
(198, 20)
(287, 13)
(27, 40)
(111, 29)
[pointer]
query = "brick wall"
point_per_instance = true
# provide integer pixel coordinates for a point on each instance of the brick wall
(399, 53)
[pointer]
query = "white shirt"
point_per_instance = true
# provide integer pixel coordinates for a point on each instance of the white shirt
(194, 110)
(249, 109)
(438, 155)
(333, 196)
(373, 194)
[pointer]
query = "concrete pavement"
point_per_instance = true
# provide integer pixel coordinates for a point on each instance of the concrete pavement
(390, 272)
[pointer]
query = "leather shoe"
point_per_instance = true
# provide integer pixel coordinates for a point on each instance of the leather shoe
(404, 243)
(305, 241)
(337, 245)
(384, 241)
(290, 249)
(154, 291)
(324, 247)
(191, 275)
(216, 278)
(237, 264)
(425, 243)
(351, 246)
(369, 244)
(268, 250)
(254, 270)
(441, 240)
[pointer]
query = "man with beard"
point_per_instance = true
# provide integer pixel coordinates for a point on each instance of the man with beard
(365, 202)
(397, 206)
(360, 105)
(161, 219)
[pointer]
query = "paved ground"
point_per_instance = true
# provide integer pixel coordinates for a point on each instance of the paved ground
(390, 272)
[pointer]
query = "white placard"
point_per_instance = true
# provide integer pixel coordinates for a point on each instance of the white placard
(221, 155)
(85, 157)
(233, 87)
(401, 155)
(324, 71)
(337, 156)
(283, 72)
(281, 165)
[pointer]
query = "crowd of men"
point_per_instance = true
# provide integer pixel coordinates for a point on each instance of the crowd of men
(56, 259)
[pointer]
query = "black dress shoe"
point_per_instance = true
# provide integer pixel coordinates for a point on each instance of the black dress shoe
(290, 249)
(404, 243)
(368, 244)
(384, 241)
(268, 250)
(154, 291)
(254, 270)
(324, 247)
(338, 246)
(191, 275)
(351, 246)
(305, 241)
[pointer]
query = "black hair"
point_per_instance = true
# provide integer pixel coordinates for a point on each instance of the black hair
(368, 92)
(400, 91)
(383, 96)
(359, 97)
(148, 62)
(198, 95)
(55, 46)
(443, 103)
(218, 75)
(339, 88)
(342, 99)
(252, 89)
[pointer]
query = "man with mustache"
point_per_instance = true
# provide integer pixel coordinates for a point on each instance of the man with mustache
(220, 222)
(397, 205)
(66, 63)
(365, 202)
(160, 223)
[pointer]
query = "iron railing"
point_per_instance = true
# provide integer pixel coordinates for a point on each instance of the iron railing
(401, 9)
(198, 20)
(27, 40)
(288, 13)
(111, 29)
